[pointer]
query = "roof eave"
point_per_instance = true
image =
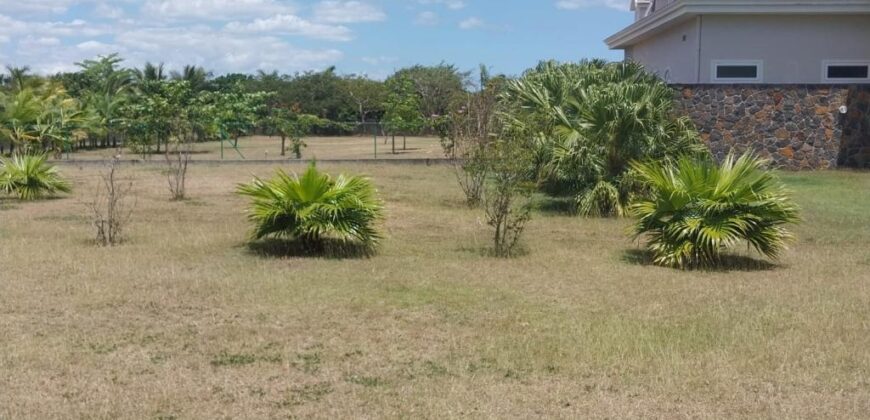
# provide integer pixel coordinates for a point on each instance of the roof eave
(681, 11)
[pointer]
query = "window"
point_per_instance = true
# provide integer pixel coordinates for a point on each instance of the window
(737, 71)
(846, 71)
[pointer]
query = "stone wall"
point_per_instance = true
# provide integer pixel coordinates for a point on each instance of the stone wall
(798, 127)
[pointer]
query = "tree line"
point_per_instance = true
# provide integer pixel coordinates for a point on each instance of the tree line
(105, 103)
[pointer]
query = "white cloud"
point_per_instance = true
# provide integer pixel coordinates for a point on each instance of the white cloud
(427, 18)
(97, 47)
(51, 47)
(35, 6)
(215, 9)
(471, 23)
(292, 25)
(36, 42)
(221, 51)
(377, 61)
(347, 12)
(11, 27)
(108, 11)
(580, 4)
(450, 4)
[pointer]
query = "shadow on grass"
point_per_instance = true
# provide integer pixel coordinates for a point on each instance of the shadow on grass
(330, 249)
(559, 206)
(11, 202)
(729, 263)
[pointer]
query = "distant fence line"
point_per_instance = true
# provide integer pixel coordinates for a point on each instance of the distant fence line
(339, 129)
(216, 162)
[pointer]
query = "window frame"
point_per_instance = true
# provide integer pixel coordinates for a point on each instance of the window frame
(714, 73)
(833, 63)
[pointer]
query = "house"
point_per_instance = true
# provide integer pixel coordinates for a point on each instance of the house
(750, 41)
(788, 78)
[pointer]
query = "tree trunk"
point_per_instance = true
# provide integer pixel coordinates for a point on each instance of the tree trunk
(283, 146)
(394, 144)
(404, 142)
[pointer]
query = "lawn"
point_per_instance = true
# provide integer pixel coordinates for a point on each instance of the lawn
(323, 148)
(187, 321)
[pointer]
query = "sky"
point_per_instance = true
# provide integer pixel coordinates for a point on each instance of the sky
(366, 37)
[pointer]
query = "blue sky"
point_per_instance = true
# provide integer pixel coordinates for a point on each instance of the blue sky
(371, 37)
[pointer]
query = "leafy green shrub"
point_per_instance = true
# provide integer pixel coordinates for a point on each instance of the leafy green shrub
(593, 118)
(30, 177)
(313, 208)
(698, 209)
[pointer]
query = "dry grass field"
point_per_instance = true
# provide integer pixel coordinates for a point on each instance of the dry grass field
(185, 320)
(269, 148)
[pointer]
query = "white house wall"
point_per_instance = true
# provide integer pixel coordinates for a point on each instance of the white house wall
(792, 47)
(669, 55)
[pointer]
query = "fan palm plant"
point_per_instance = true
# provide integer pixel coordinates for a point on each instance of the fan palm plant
(313, 208)
(698, 209)
(594, 118)
(30, 177)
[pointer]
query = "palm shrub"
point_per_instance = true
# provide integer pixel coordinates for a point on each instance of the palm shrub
(30, 177)
(697, 209)
(313, 208)
(593, 119)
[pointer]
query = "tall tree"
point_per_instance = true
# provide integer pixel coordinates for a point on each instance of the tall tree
(197, 77)
(368, 96)
(437, 86)
(18, 77)
(150, 72)
(319, 93)
(108, 87)
(402, 109)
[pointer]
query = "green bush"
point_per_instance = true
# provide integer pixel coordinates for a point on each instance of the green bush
(30, 177)
(593, 118)
(698, 209)
(314, 208)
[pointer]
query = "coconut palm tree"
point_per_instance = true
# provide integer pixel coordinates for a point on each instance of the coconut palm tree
(18, 77)
(314, 207)
(698, 209)
(112, 86)
(150, 72)
(197, 77)
(19, 117)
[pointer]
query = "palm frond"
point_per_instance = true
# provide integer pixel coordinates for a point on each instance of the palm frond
(313, 207)
(30, 177)
(698, 209)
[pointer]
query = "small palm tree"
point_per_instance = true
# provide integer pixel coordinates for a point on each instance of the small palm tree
(29, 177)
(594, 118)
(698, 209)
(313, 208)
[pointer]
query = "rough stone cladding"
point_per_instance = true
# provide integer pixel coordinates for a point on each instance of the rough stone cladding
(798, 127)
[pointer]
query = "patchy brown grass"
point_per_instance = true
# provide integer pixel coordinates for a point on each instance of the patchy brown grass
(323, 148)
(186, 321)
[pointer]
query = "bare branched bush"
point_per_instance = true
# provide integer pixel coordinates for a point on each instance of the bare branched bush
(178, 156)
(466, 134)
(109, 209)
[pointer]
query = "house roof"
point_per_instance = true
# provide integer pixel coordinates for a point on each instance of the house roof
(682, 10)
